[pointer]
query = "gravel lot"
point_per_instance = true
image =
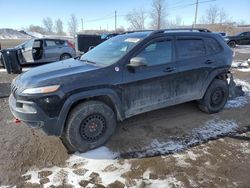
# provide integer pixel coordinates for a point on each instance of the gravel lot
(173, 147)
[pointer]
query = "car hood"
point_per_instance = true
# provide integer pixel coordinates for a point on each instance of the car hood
(54, 73)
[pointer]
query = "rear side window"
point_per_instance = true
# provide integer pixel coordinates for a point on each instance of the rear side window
(156, 53)
(52, 43)
(212, 46)
(190, 48)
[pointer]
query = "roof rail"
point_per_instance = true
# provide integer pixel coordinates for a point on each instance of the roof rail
(182, 29)
(134, 31)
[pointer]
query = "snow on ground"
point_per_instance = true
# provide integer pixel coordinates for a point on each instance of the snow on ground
(211, 130)
(242, 66)
(103, 166)
(241, 101)
(23, 69)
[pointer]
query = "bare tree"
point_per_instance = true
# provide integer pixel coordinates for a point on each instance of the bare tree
(48, 25)
(215, 15)
(212, 14)
(73, 25)
(36, 28)
(136, 19)
(59, 27)
(223, 16)
(158, 14)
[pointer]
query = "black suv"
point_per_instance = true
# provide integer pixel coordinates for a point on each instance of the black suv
(80, 100)
(240, 39)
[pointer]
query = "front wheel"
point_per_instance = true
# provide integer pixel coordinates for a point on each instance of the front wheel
(232, 44)
(89, 125)
(215, 97)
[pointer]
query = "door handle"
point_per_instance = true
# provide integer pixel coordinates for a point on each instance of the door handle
(209, 62)
(169, 69)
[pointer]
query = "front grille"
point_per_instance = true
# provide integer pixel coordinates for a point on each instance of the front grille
(13, 89)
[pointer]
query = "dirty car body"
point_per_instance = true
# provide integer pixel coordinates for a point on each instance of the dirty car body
(130, 75)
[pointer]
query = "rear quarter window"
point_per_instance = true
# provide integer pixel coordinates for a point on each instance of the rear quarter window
(190, 48)
(213, 46)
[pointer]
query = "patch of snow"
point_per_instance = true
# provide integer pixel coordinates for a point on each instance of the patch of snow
(93, 161)
(23, 69)
(160, 183)
(191, 155)
(244, 69)
(245, 148)
(211, 130)
(180, 159)
(239, 102)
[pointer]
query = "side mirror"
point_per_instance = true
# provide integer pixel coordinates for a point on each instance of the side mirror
(137, 62)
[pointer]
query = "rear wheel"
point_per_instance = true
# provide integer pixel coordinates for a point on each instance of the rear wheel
(215, 97)
(89, 125)
(65, 56)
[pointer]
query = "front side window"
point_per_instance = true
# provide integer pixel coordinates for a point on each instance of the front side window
(156, 53)
(190, 48)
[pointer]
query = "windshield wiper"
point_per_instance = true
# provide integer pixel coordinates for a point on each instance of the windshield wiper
(87, 61)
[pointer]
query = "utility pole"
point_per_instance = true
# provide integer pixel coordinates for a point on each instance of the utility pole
(115, 20)
(196, 12)
(82, 24)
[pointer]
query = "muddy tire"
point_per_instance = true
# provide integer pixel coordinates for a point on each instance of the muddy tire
(88, 126)
(215, 97)
(232, 44)
(65, 56)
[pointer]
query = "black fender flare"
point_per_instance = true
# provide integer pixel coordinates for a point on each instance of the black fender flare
(216, 73)
(113, 96)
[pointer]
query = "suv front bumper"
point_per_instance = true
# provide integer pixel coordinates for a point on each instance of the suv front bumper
(30, 113)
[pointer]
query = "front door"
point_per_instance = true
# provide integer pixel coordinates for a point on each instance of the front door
(150, 87)
(27, 51)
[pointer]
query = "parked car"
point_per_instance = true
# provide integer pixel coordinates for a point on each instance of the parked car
(86, 42)
(240, 39)
(223, 34)
(43, 50)
(80, 100)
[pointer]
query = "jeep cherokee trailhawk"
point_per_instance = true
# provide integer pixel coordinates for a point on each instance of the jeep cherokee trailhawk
(80, 100)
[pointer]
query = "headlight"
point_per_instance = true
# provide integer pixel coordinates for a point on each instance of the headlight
(226, 39)
(42, 90)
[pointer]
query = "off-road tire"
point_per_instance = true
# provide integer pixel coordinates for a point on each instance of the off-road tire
(218, 88)
(232, 44)
(73, 137)
(65, 56)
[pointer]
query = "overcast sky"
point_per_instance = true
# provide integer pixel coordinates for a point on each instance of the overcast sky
(19, 14)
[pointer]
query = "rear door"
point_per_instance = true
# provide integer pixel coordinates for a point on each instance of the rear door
(194, 66)
(150, 87)
(27, 51)
(52, 49)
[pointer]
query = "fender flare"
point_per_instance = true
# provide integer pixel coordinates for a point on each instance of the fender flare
(221, 71)
(113, 96)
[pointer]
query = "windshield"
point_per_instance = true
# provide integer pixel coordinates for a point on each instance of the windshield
(26, 44)
(113, 49)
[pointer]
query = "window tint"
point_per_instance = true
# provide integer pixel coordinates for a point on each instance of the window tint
(54, 42)
(189, 48)
(158, 52)
(212, 45)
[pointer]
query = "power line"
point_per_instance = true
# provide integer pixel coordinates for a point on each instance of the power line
(191, 4)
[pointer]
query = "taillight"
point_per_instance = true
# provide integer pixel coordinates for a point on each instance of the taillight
(71, 45)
